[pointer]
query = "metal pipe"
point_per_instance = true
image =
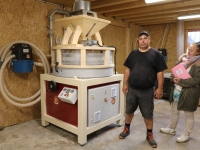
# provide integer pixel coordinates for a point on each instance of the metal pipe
(50, 3)
(51, 28)
(51, 19)
(51, 23)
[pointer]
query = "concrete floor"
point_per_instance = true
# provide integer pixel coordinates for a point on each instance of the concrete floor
(32, 135)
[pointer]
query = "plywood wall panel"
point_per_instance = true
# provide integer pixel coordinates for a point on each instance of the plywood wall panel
(156, 32)
(23, 20)
(133, 36)
(122, 38)
(192, 25)
(116, 36)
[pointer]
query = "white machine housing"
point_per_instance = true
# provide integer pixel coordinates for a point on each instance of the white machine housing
(96, 97)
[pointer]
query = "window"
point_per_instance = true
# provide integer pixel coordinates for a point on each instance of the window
(193, 36)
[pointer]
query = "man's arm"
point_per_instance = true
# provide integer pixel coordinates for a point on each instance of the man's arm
(159, 91)
(125, 82)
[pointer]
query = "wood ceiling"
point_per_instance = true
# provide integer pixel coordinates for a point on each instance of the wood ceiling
(138, 12)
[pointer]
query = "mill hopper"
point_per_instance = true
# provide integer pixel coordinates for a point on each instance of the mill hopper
(87, 26)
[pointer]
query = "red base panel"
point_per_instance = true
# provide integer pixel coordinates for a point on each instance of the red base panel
(58, 109)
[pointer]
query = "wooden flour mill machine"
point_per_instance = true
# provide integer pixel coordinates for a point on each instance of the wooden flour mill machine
(82, 94)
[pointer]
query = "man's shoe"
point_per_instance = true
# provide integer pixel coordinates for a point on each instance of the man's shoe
(183, 138)
(168, 131)
(1, 128)
(150, 139)
(125, 133)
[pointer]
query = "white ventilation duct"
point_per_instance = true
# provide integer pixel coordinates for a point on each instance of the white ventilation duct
(180, 38)
(80, 4)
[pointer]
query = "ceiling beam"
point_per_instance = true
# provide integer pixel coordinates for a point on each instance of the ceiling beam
(120, 7)
(159, 7)
(104, 3)
(151, 17)
(161, 16)
(129, 5)
(115, 22)
(66, 3)
(160, 22)
(188, 10)
(155, 21)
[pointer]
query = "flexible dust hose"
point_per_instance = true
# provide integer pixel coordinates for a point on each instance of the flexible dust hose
(6, 50)
(19, 99)
(2, 48)
(5, 88)
(3, 92)
(1, 51)
(6, 94)
(38, 64)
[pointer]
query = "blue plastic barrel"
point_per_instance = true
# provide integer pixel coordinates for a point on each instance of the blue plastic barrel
(22, 66)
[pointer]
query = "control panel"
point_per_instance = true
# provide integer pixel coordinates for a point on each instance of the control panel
(68, 95)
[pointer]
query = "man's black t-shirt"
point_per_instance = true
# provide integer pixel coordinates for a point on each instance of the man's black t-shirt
(144, 67)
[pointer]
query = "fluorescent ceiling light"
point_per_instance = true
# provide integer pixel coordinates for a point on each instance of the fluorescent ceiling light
(153, 1)
(189, 17)
(160, 1)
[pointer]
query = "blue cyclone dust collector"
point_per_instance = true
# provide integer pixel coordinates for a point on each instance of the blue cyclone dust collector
(23, 62)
